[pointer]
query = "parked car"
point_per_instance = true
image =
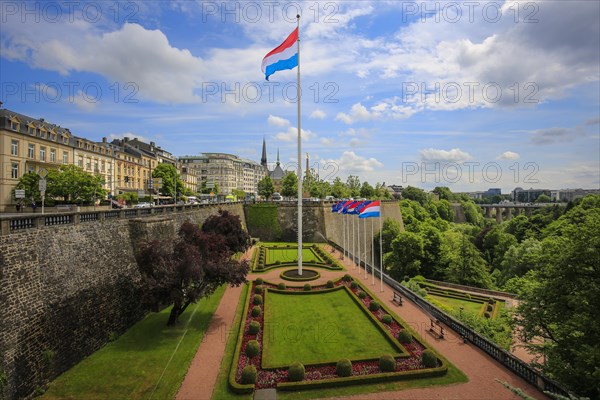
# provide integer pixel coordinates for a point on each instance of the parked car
(143, 205)
(276, 197)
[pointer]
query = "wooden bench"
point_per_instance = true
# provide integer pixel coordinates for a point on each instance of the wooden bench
(397, 299)
(436, 329)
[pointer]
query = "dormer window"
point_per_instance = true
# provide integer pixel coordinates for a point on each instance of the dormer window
(14, 125)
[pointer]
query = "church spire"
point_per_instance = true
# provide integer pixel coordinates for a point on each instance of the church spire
(278, 156)
(263, 159)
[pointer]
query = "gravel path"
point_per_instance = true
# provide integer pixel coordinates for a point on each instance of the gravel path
(481, 369)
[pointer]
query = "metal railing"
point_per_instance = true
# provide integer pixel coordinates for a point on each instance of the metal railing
(508, 360)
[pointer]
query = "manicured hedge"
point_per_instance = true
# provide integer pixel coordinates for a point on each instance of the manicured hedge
(252, 348)
(429, 359)
(374, 306)
(329, 284)
(404, 337)
(296, 372)
(343, 367)
(387, 319)
(387, 363)
(254, 328)
(281, 286)
(249, 375)
(256, 311)
(257, 299)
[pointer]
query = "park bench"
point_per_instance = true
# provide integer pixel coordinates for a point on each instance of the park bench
(436, 329)
(397, 299)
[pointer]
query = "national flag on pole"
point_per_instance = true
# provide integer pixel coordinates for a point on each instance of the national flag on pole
(342, 209)
(362, 206)
(372, 210)
(284, 56)
(336, 207)
(353, 207)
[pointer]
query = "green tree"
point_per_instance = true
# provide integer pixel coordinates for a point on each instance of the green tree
(240, 194)
(519, 227)
(558, 315)
(432, 252)
(353, 185)
(320, 189)
(521, 258)
(462, 261)
(405, 257)
(265, 187)
(73, 184)
(390, 230)
(170, 179)
(543, 198)
(444, 193)
(415, 194)
(339, 189)
(381, 192)
(445, 210)
(367, 191)
(30, 183)
(289, 185)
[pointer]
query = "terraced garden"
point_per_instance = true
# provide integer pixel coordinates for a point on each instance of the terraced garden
(278, 255)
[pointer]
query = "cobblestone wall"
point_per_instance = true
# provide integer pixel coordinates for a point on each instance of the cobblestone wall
(65, 289)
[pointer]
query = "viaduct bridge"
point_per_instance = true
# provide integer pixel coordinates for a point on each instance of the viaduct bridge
(506, 210)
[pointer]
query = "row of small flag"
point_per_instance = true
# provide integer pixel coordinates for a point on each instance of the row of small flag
(364, 209)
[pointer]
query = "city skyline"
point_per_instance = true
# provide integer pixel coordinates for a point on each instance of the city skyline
(400, 93)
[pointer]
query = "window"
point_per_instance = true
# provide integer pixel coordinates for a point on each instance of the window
(52, 155)
(102, 167)
(43, 134)
(80, 162)
(95, 166)
(30, 130)
(14, 147)
(14, 125)
(65, 157)
(31, 151)
(14, 172)
(31, 169)
(42, 153)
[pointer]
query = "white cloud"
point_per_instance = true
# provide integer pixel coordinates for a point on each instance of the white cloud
(318, 114)
(384, 109)
(508, 155)
(350, 163)
(277, 121)
(129, 135)
(454, 155)
(327, 142)
(292, 134)
(85, 102)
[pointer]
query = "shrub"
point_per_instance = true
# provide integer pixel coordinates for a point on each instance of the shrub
(296, 372)
(468, 296)
(404, 337)
(257, 299)
(490, 307)
(260, 267)
(329, 284)
(487, 315)
(249, 375)
(429, 359)
(362, 295)
(281, 286)
(387, 363)
(252, 348)
(343, 367)
(374, 306)
(254, 328)
(307, 287)
(386, 319)
(354, 285)
(259, 281)
(347, 278)
(278, 262)
(256, 311)
(258, 290)
(491, 301)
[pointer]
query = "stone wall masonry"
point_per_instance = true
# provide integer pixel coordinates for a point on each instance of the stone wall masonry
(65, 289)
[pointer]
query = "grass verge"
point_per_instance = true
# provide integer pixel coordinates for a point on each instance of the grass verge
(149, 361)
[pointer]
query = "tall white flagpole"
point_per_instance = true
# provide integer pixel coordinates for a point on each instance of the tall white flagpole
(381, 244)
(372, 248)
(299, 161)
(343, 237)
(353, 245)
(372, 266)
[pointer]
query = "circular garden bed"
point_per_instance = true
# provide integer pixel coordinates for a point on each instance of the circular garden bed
(292, 275)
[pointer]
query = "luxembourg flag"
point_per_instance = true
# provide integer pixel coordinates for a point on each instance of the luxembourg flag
(371, 210)
(284, 56)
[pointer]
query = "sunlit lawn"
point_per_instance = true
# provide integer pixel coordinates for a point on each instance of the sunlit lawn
(289, 255)
(468, 306)
(149, 361)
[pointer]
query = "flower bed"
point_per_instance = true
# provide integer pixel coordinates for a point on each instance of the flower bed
(319, 258)
(407, 365)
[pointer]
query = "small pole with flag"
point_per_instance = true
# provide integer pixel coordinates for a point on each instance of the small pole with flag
(373, 210)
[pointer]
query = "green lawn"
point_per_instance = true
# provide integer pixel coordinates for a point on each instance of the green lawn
(289, 255)
(149, 361)
(318, 328)
(468, 306)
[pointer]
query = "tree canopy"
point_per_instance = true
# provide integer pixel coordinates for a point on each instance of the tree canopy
(266, 187)
(289, 185)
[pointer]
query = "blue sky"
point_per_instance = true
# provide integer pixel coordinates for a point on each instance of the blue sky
(468, 95)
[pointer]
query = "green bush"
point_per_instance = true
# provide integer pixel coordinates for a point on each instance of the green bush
(257, 299)
(387, 363)
(404, 337)
(490, 307)
(296, 372)
(278, 262)
(387, 319)
(491, 301)
(487, 315)
(307, 287)
(374, 306)
(362, 295)
(354, 285)
(256, 311)
(329, 284)
(252, 348)
(281, 286)
(258, 289)
(260, 267)
(347, 278)
(259, 281)
(249, 375)
(429, 359)
(343, 367)
(254, 328)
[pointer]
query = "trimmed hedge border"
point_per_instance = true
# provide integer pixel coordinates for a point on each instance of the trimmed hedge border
(324, 259)
(238, 387)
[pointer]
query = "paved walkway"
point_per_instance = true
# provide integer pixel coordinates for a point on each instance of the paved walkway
(481, 369)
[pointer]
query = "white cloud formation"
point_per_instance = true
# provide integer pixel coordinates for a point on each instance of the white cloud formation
(351, 163)
(508, 155)
(277, 121)
(129, 135)
(292, 134)
(327, 141)
(438, 155)
(384, 109)
(318, 114)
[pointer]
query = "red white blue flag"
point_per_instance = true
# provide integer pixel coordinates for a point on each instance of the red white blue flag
(372, 210)
(284, 56)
